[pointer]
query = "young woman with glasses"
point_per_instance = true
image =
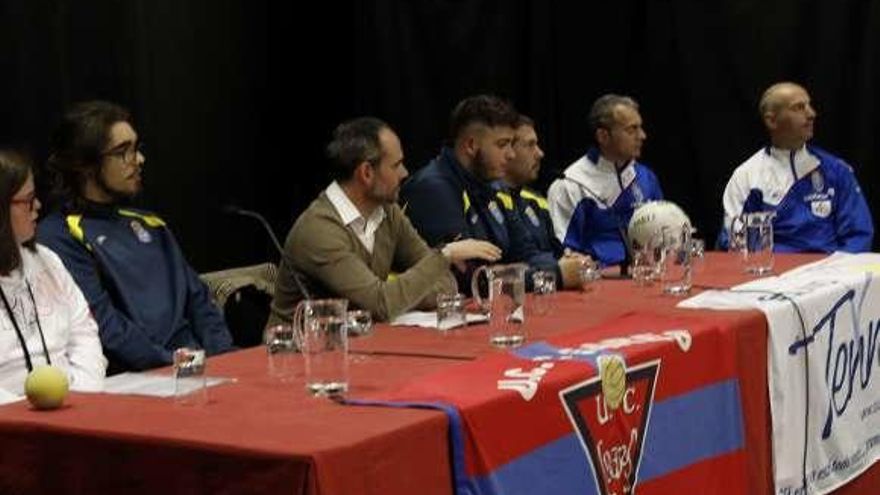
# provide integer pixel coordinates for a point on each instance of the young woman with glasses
(44, 318)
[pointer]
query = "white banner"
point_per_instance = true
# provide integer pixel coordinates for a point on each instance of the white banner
(824, 324)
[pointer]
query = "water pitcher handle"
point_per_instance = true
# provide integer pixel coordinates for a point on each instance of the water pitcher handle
(736, 233)
(687, 233)
(298, 324)
(475, 287)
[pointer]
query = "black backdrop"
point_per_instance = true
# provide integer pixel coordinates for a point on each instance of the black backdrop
(236, 99)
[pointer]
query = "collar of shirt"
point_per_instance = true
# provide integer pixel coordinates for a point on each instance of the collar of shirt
(92, 209)
(363, 228)
(605, 165)
(600, 178)
(801, 159)
(503, 185)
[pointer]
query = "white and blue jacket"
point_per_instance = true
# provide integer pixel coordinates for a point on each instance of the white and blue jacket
(593, 201)
(817, 200)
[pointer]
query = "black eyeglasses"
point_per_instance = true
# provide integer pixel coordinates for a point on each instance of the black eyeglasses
(127, 154)
(30, 201)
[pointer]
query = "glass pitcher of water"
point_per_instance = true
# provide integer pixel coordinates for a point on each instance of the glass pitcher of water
(505, 302)
(322, 327)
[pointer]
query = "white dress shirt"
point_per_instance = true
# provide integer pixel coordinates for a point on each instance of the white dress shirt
(363, 228)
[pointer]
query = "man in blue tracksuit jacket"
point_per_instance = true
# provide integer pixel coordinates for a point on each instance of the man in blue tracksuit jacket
(453, 197)
(592, 203)
(817, 201)
(146, 298)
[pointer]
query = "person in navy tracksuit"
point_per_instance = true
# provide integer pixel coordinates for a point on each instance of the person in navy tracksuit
(453, 198)
(530, 206)
(817, 201)
(144, 295)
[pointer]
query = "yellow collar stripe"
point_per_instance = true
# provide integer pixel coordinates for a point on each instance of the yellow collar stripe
(75, 228)
(150, 220)
(529, 195)
(506, 199)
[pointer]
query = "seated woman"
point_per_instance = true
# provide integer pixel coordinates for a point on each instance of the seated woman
(44, 318)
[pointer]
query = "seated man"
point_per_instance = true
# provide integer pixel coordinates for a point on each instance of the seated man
(146, 298)
(453, 196)
(592, 203)
(353, 238)
(532, 208)
(817, 200)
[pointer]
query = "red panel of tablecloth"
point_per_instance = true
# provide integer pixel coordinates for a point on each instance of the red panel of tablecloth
(261, 436)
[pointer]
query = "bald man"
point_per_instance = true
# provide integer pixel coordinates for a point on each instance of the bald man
(817, 200)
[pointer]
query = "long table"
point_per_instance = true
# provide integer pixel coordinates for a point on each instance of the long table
(258, 435)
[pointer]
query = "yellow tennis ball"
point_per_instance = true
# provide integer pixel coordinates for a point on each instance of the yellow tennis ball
(612, 370)
(46, 387)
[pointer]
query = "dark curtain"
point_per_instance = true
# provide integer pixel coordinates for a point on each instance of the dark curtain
(697, 69)
(233, 99)
(236, 100)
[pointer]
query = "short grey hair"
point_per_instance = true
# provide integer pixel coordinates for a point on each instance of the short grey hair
(602, 111)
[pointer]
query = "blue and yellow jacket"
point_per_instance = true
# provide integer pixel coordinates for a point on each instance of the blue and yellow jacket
(533, 211)
(146, 298)
(445, 202)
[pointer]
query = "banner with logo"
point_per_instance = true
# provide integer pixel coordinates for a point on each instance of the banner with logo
(642, 404)
(823, 355)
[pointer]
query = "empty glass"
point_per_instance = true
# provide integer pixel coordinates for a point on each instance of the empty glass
(190, 381)
(759, 242)
(543, 291)
(675, 278)
(450, 311)
(360, 325)
(751, 234)
(589, 275)
(282, 346)
(647, 263)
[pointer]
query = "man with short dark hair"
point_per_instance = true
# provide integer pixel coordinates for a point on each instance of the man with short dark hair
(453, 197)
(591, 205)
(521, 171)
(354, 241)
(146, 298)
(817, 200)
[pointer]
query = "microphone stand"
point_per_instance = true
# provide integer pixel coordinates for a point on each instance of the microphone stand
(262, 220)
